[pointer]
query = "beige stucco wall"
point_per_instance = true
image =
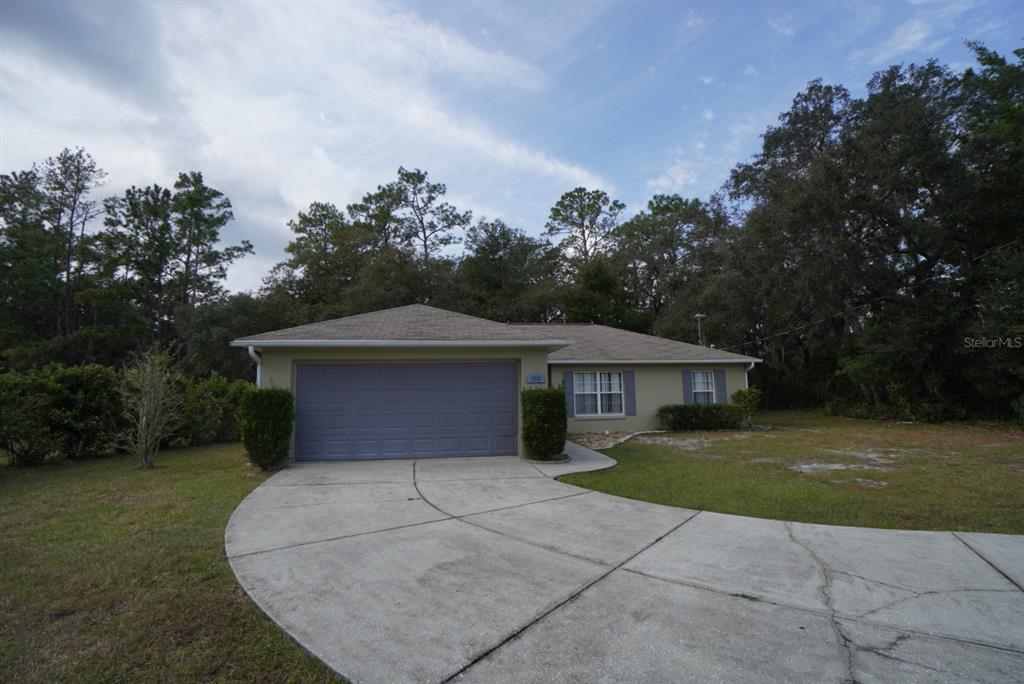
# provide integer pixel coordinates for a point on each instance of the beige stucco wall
(656, 386)
(278, 364)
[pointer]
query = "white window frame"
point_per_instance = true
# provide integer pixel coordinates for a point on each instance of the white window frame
(714, 386)
(600, 413)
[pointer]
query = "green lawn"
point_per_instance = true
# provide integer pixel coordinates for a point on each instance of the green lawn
(114, 574)
(926, 477)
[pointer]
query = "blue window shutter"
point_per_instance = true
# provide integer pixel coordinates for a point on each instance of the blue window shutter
(687, 387)
(629, 390)
(570, 405)
(721, 391)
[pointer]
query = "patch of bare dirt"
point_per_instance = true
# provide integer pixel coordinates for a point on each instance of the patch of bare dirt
(601, 440)
(676, 442)
(871, 484)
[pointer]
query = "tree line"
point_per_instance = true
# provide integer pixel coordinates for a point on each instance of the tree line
(871, 253)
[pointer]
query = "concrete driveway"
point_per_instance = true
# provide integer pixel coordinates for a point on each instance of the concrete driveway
(488, 570)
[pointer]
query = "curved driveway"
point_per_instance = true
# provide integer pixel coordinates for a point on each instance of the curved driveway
(488, 570)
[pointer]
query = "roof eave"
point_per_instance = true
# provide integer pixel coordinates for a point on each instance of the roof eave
(407, 344)
(652, 361)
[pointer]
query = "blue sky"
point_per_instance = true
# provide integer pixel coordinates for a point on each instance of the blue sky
(509, 104)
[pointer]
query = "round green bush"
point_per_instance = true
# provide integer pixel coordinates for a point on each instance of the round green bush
(680, 417)
(265, 419)
(544, 423)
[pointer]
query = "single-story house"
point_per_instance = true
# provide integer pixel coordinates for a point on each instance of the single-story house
(419, 382)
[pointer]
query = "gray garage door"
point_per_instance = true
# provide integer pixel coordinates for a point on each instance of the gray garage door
(404, 410)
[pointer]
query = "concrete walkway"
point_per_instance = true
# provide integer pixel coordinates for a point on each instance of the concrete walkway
(488, 570)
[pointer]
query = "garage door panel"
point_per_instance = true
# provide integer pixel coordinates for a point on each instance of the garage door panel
(421, 410)
(449, 420)
(450, 445)
(504, 444)
(500, 418)
(422, 420)
(421, 447)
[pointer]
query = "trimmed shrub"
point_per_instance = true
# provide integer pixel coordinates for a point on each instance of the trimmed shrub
(749, 400)
(85, 411)
(266, 418)
(544, 423)
(210, 410)
(25, 434)
(682, 417)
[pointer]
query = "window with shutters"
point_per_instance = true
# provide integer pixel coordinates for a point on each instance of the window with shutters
(598, 393)
(703, 387)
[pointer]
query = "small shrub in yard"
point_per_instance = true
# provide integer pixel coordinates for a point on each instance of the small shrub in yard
(544, 423)
(85, 411)
(682, 417)
(749, 400)
(265, 418)
(25, 434)
(152, 405)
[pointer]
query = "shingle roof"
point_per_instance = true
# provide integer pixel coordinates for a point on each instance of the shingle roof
(412, 323)
(420, 323)
(601, 343)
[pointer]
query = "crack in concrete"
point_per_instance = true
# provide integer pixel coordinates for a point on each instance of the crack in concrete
(333, 502)
(932, 592)
(990, 563)
(268, 483)
(874, 581)
(518, 505)
(826, 592)
(338, 538)
(906, 632)
(448, 516)
(572, 597)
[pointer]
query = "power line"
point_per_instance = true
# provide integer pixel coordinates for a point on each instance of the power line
(859, 306)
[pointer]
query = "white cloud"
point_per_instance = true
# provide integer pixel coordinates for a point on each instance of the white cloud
(750, 70)
(910, 36)
(707, 80)
(707, 115)
(694, 20)
(677, 177)
(283, 105)
(782, 27)
(743, 131)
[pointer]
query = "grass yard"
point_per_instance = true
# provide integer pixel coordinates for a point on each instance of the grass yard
(808, 467)
(114, 574)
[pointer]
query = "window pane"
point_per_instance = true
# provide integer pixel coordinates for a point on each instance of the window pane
(703, 398)
(586, 404)
(611, 382)
(702, 381)
(586, 382)
(611, 403)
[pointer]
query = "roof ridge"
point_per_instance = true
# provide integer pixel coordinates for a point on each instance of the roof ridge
(655, 337)
(459, 313)
(328, 320)
(525, 323)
